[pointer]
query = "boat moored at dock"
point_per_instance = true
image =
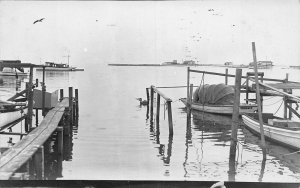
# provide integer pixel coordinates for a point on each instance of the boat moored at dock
(283, 131)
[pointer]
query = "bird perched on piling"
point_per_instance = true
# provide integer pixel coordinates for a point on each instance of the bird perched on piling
(142, 102)
(40, 20)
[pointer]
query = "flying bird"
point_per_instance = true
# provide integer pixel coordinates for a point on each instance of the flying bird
(40, 20)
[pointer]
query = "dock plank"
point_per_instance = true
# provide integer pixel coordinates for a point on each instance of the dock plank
(22, 151)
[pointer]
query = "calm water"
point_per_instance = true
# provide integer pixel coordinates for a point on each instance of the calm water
(116, 141)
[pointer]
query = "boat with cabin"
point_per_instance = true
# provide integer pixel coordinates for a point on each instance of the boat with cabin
(51, 66)
(262, 65)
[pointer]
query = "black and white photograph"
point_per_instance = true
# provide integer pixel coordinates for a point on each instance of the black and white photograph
(150, 93)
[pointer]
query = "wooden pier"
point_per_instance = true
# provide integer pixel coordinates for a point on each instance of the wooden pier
(29, 151)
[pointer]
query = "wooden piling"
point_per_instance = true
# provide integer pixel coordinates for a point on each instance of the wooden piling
(285, 103)
(61, 94)
(226, 76)
(157, 108)
(189, 101)
(170, 117)
(188, 83)
(39, 162)
(236, 113)
(60, 139)
(76, 103)
(43, 94)
(262, 136)
(71, 105)
(36, 117)
(147, 94)
(151, 102)
(247, 88)
(30, 100)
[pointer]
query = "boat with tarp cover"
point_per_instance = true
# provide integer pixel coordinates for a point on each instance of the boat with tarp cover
(217, 99)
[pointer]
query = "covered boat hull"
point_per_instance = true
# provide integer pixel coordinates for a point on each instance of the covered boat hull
(288, 137)
(221, 109)
(11, 116)
(13, 74)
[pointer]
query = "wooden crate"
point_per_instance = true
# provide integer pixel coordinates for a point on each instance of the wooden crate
(51, 99)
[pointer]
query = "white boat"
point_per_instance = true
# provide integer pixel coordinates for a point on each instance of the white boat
(220, 109)
(11, 72)
(286, 132)
(10, 114)
(51, 66)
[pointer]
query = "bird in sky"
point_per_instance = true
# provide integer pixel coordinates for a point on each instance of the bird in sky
(40, 20)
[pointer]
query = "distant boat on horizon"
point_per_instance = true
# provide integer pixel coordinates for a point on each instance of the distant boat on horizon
(262, 65)
(51, 66)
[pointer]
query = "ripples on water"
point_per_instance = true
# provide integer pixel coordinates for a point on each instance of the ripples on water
(116, 140)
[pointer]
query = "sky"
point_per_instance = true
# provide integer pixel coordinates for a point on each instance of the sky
(102, 32)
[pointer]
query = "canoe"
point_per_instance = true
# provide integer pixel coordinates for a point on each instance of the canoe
(282, 131)
(220, 109)
(10, 114)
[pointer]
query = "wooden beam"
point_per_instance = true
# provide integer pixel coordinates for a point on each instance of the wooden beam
(161, 94)
(230, 75)
(277, 90)
(292, 110)
(262, 136)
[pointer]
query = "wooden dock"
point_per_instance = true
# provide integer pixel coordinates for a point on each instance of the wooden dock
(30, 148)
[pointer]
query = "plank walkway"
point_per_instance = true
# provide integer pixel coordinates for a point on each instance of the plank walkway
(22, 151)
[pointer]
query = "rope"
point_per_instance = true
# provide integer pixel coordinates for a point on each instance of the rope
(278, 108)
(273, 103)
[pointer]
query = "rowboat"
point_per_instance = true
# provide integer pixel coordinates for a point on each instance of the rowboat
(282, 131)
(219, 109)
(9, 113)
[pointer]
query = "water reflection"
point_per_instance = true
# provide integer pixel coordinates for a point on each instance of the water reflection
(163, 153)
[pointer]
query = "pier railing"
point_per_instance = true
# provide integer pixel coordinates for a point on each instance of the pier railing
(154, 90)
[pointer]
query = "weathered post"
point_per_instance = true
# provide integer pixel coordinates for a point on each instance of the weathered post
(247, 88)
(61, 94)
(170, 117)
(147, 94)
(30, 99)
(285, 104)
(189, 101)
(262, 136)
(70, 105)
(226, 76)
(39, 163)
(43, 93)
(60, 139)
(76, 103)
(151, 102)
(235, 114)
(36, 117)
(157, 108)
(188, 83)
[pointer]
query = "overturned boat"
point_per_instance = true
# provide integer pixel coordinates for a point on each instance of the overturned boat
(217, 99)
